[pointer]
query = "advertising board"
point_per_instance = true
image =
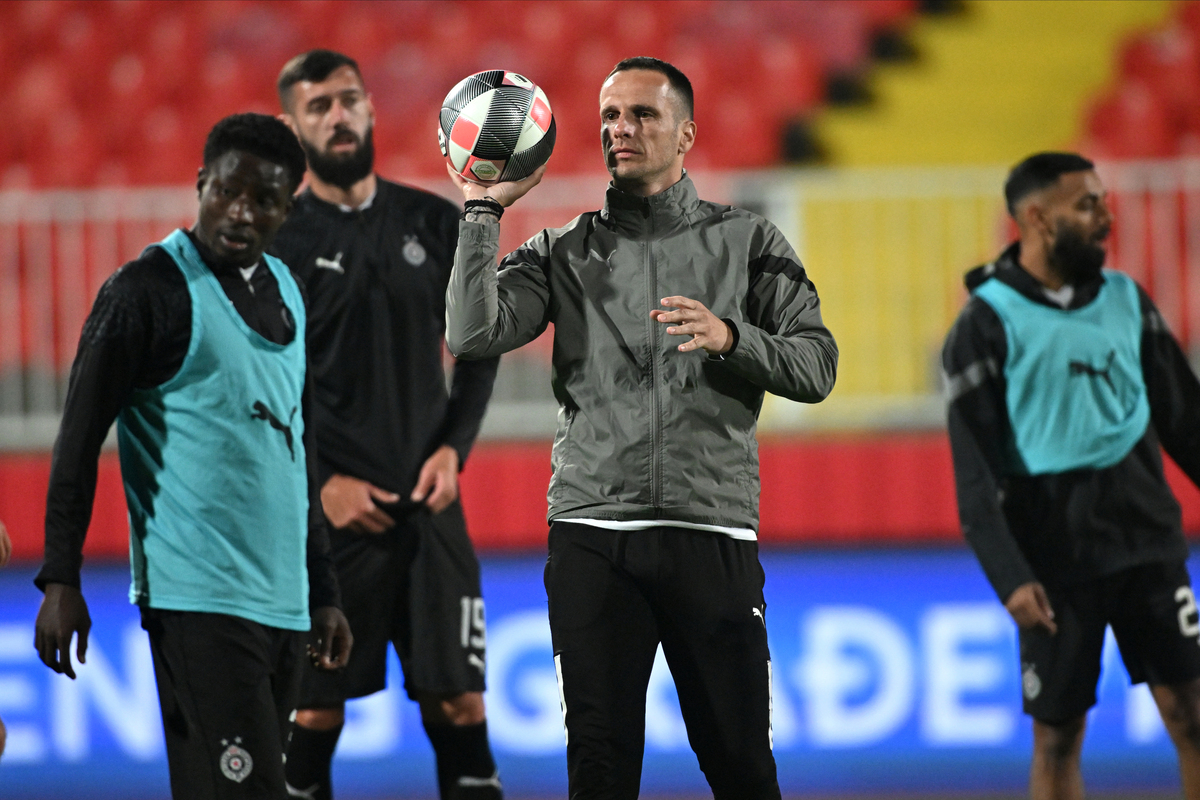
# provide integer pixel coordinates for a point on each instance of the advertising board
(894, 670)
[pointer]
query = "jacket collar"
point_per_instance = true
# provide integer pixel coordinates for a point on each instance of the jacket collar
(651, 216)
(1007, 269)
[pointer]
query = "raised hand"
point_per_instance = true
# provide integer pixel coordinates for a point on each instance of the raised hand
(505, 193)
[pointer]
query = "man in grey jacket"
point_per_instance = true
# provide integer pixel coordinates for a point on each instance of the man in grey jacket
(654, 495)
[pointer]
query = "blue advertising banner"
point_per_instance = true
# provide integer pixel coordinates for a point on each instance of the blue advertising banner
(892, 670)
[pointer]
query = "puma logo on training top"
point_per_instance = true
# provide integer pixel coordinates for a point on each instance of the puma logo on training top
(262, 412)
(335, 264)
(1084, 368)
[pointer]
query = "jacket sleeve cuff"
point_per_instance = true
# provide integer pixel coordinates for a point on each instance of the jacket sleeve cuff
(737, 337)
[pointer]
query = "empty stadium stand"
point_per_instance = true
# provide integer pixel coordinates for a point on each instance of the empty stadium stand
(1152, 108)
(122, 93)
(1000, 80)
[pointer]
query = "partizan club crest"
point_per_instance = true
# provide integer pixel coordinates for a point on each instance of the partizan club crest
(413, 252)
(1031, 684)
(236, 763)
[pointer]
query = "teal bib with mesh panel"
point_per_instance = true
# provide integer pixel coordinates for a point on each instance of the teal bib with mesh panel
(1076, 395)
(214, 468)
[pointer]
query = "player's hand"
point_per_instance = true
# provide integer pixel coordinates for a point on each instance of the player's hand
(330, 639)
(350, 503)
(1030, 607)
(689, 317)
(63, 614)
(5, 546)
(505, 193)
(437, 485)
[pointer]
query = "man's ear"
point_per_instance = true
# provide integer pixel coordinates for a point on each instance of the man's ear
(687, 136)
(290, 121)
(201, 179)
(1031, 216)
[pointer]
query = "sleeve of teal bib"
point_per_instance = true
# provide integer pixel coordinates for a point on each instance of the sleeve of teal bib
(783, 345)
(977, 419)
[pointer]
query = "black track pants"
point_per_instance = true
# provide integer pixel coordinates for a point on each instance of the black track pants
(614, 596)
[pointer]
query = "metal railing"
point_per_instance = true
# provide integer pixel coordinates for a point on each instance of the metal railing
(886, 247)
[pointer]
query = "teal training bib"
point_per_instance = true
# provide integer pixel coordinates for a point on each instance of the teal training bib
(1076, 395)
(214, 467)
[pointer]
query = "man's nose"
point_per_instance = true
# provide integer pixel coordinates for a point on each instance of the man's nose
(239, 210)
(622, 126)
(338, 113)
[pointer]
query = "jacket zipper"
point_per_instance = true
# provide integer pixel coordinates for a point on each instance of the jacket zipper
(655, 370)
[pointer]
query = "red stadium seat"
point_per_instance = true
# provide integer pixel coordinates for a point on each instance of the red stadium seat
(1188, 16)
(170, 151)
(1133, 122)
(787, 77)
(885, 14)
(135, 73)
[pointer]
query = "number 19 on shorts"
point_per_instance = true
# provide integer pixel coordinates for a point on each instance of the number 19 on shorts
(473, 632)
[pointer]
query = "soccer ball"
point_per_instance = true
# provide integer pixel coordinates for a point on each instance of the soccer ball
(496, 126)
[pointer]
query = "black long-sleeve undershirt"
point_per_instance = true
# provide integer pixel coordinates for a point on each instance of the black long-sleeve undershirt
(376, 280)
(136, 337)
(1078, 524)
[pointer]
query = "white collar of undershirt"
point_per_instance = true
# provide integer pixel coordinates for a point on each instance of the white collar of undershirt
(248, 273)
(363, 206)
(1061, 296)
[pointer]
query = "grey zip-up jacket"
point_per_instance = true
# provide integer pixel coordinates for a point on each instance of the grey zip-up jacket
(645, 431)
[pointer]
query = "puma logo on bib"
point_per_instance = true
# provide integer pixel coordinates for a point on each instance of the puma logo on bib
(1084, 368)
(262, 412)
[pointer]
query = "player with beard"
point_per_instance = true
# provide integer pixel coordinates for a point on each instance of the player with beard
(375, 258)
(1063, 381)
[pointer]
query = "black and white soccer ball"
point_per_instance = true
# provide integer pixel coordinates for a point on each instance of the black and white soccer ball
(496, 126)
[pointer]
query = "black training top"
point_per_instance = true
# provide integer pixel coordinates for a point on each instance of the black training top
(376, 280)
(1075, 525)
(136, 337)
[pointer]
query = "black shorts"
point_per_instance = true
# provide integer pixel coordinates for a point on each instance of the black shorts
(1153, 615)
(416, 586)
(228, 690)
(614, 596)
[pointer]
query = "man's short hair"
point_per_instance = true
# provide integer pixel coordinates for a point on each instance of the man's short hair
(260, 135)
(678, 81)
(1037, 172)
(314, 66)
